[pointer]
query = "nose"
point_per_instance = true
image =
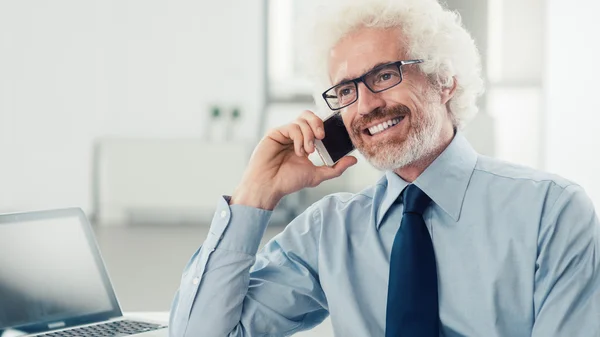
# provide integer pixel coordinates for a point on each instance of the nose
(368, 100)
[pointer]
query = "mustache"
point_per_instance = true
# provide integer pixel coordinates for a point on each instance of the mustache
(378, 114)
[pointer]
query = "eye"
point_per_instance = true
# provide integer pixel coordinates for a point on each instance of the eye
(345, 91)
(386, 76)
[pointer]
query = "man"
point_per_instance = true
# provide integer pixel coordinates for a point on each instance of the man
(447, 243)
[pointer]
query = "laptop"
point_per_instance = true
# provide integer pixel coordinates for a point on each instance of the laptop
(53, 281)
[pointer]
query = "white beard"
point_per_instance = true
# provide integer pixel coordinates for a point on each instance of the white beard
(421, 142)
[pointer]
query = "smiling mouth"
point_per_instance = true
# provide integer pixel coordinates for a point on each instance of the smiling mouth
(375, 129)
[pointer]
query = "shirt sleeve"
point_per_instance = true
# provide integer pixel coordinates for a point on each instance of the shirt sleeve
(567, 275)
(229, 290)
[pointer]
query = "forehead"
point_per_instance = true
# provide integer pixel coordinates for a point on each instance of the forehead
(362, 49)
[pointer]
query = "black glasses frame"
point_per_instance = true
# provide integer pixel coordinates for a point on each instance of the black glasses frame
(362, 78)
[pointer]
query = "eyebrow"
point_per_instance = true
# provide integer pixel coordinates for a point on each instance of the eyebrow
(348, 79)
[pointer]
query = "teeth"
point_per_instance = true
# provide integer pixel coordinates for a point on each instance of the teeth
(380, 127)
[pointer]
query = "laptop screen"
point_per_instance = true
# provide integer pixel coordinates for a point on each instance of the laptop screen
(51, 273)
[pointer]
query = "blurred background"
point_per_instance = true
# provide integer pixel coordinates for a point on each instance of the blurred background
(144, 112)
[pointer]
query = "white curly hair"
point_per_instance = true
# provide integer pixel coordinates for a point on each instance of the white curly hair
(434, 34)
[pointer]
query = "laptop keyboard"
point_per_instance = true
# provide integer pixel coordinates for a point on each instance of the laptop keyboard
(118, 328)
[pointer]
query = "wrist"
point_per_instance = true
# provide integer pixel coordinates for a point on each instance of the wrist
(256, 197)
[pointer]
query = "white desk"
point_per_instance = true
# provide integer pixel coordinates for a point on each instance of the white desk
(323, 330)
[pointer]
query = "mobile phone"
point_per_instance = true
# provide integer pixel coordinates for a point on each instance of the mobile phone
(336, 143)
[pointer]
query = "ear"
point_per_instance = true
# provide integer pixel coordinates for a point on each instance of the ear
(448, 92)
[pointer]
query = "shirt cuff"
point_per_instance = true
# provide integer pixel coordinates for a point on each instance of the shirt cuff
(238, 228)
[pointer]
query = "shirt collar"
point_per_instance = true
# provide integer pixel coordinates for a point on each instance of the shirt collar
(445, 181)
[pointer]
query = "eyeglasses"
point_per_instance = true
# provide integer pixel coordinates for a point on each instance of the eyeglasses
(377, 80)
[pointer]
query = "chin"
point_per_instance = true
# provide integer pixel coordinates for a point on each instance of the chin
(389, 164)
(390, 157)
(403, 149)
(399, 154)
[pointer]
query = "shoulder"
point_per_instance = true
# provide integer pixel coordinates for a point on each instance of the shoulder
(343, 210)
(345, 201)
(519, 181)
(500, 170)
(522, 182)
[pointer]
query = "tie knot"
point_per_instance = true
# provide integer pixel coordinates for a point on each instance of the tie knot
(415, 200)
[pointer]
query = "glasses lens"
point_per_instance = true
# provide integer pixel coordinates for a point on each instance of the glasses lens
(384, 78)
(341, 95)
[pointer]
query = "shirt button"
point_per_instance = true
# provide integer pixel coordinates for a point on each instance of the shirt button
(196, 280)
(223, 214)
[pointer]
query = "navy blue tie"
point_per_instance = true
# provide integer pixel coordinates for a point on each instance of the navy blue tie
(412, 303)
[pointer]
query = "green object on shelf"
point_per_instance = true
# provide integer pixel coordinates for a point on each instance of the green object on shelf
(235, 113)
(216, 112)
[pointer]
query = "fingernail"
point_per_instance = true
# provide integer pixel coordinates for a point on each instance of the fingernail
(311, 144)
(320, 131)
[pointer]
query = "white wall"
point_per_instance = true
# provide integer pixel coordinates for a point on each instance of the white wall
(72, 71)
(514, 87)
(572, 105)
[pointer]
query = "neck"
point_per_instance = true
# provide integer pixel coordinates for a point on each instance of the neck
(411, 172)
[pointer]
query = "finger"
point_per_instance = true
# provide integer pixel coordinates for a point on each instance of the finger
(307, 134)
(277, 135)
(292, 131)
(316, 123)
(326, 172)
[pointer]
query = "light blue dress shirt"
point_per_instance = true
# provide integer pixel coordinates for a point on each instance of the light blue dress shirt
(517, 250)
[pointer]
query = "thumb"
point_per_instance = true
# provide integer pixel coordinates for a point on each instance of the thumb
(326, 172)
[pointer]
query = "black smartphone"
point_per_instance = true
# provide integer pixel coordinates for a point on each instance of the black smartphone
(336, 143)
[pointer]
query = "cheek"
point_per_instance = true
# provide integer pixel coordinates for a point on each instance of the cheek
(402, 95)
(420, 101)
(348, 118)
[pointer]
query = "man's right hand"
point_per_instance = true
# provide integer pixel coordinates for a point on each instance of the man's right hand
(279, 164)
